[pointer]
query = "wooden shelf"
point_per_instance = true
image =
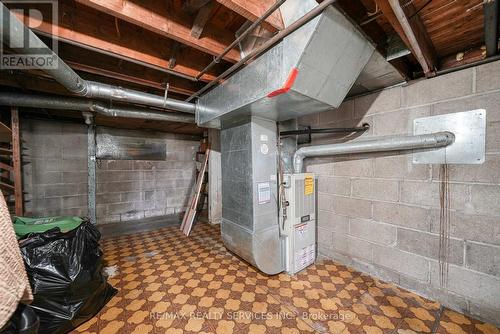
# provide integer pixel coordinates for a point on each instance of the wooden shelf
(10, 163)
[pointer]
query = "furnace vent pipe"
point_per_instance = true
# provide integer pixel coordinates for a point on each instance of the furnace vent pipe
(73, 103)
(401, 143)
(14, 32)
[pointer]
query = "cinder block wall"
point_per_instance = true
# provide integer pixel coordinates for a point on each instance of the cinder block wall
(55, 175)
(132, 189)
(54, 168)
(380, 213)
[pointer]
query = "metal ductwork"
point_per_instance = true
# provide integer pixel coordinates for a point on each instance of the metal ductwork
(73, 103)
(399, 143)
(249, 225)
(14, 32)
(311, 70)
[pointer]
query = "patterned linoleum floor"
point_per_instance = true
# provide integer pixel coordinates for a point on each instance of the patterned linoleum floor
(169, 283)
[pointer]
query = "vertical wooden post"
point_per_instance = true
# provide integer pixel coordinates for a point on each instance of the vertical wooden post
(16, 161)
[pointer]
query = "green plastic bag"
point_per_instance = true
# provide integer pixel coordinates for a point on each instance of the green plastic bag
(25, 225)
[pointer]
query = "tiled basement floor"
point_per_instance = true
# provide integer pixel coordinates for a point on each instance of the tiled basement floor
(169, 283)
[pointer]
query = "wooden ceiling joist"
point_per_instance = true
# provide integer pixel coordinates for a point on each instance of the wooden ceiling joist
(253, 9)
(124, 77)
(147, 50)
(176, 27)
(111, 68)
(466, 57)
(491, 9)
(407, 23)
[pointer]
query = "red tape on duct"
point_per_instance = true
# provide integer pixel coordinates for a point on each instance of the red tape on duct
(288, 84)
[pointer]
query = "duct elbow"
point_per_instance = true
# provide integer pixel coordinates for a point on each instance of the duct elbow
(448, 138)
(298, 161)
(82, 87)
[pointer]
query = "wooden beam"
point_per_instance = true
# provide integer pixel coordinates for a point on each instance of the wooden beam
(124, 77)
(253, 9)
(16, 162)
(466, 57)
(164, 23)
(77, 28)
(491, 9)
(110, 67)
(412, 31)
(201, 19)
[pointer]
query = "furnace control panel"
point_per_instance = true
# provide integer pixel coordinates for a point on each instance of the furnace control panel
(299, 221)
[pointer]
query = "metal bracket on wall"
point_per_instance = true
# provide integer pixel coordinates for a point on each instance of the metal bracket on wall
(469, 147)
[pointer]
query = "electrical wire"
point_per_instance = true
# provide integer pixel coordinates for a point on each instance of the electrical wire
(444, 225)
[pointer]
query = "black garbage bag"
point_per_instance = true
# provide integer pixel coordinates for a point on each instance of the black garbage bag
(65, 272)
(23, 321)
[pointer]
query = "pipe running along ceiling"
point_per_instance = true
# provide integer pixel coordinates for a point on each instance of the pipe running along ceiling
(14, 32)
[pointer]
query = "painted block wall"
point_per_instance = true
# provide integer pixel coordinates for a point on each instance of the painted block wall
(55, 175)
(380, 213)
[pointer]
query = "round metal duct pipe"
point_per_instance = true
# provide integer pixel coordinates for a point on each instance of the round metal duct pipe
(72, 103)
(14, 32)
(399, 143)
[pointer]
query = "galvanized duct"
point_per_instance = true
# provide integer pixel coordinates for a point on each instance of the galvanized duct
(249, 224)
(400, 143)
(14, 32)
(319, 56)
(73, 103)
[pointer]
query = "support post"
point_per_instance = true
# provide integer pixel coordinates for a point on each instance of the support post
(16, 163)
(91, 167)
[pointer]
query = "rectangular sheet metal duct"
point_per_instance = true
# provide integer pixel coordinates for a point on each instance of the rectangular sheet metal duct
(311, 70)
(249, 193)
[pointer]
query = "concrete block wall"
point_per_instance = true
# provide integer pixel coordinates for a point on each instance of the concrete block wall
(54, 168)
(55, 175)
(380, 212)
(133, 189)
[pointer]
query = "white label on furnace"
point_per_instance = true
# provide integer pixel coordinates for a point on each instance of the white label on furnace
(264, 192)
(264, 138)
(301, 229)
(264, 149)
